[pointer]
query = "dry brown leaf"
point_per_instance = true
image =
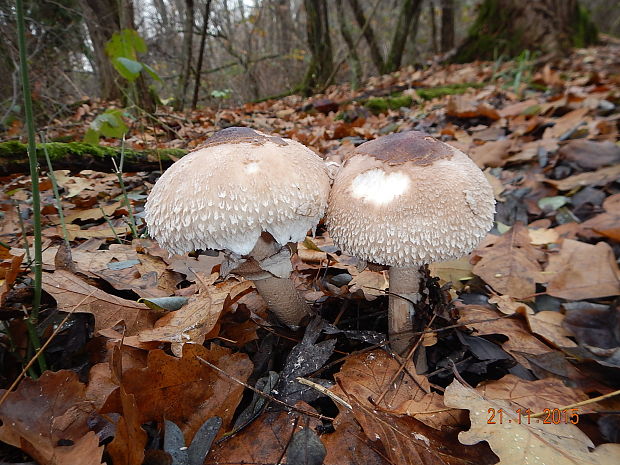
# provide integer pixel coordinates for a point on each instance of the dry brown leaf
(71, 291)
(372, 283)
(520, 341)
(184, 390)
(92, 213)
(408, 441)
(509, 306)
(263, 441)
(453, 271)
(583, 271)
(566, 123)
(533, 395)
(190, 323)
(549, 326)
(349, 445)
(511, 265)
(491, 154)
(599, 177)
(42, 415)
(543, 236)
(536, 443)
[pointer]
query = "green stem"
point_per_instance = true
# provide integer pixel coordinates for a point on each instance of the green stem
(34, 176)
(61, 215)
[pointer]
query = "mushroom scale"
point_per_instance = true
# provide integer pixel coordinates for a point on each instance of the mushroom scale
(425, 203)
(226, 194)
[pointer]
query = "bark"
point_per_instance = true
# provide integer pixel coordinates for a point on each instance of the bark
(431, 13)
(186, 55)
(203, 40)
(284, 25)
(408, 11)
(447, 25)
(369, 35)
(404, 292)
(319, 42)
(509, 27)
(345, 32)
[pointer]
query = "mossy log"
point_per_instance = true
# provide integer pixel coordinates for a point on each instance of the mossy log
(77, 156)
(508, 27)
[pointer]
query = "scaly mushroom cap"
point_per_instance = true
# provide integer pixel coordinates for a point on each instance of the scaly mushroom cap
(407, 199)
(240, 183)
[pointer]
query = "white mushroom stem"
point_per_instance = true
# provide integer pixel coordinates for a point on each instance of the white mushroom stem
(404, 292)
(280, 293)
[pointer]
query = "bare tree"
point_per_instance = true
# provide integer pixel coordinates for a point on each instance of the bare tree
(447, 25)
(186, 56)
(553, 27)
(345, 32)
(201, 52)
(319, 42)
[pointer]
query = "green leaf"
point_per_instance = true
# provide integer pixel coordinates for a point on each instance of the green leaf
(129, 69)
(92, 136)
(552, 203)
(108, 124)
(151, 71)
(164, 303)
(126, 43)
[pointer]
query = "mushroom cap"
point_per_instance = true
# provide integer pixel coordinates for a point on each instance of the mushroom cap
(407, 199)
(240, 183)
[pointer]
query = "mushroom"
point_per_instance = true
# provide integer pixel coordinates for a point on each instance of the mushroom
(406, 200)
(249, 194)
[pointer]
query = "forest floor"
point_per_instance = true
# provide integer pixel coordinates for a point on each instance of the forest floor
(519, 336)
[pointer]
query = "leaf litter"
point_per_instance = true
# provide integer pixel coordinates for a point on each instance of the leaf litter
(530, 319)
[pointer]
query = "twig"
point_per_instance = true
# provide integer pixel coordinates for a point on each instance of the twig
(324, 390)
(582, 403)
(43, 347)
(52, 176)
(265, 395)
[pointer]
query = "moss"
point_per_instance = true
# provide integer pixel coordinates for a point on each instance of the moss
(430, 93)
(382, 104)
(14, 150)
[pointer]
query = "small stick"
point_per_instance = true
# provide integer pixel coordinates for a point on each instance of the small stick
(582, 403)
(324, 390)
(261, 393)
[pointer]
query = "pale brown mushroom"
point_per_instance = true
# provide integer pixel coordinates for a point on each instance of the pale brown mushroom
(406, 200)
(249, 194)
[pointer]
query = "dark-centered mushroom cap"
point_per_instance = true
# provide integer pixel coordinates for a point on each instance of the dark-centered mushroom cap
(407, 199)
(240, 183)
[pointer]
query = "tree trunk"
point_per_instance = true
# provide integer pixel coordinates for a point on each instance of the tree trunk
(408, 10)
(319, 42)
(186, 55)
(509, 27)
(369, 35)
(203, 39)
(431, 14)
(447, 25)
(103, 19)
(345, 32)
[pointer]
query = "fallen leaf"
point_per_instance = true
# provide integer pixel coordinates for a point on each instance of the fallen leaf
(565, 124)
(514, 442)
(511, 265)
(71, 292)
(491, 154)
(599, 177)
(62, 412)
(263, 441)
(349, 445)
(184, 390)
(548, 325)
(487, 321)
(583, 271)
(372, 284)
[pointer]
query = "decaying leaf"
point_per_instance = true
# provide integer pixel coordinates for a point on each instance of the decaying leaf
(58, 433)
(583, 271)
(72, 292)
(516, 441)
